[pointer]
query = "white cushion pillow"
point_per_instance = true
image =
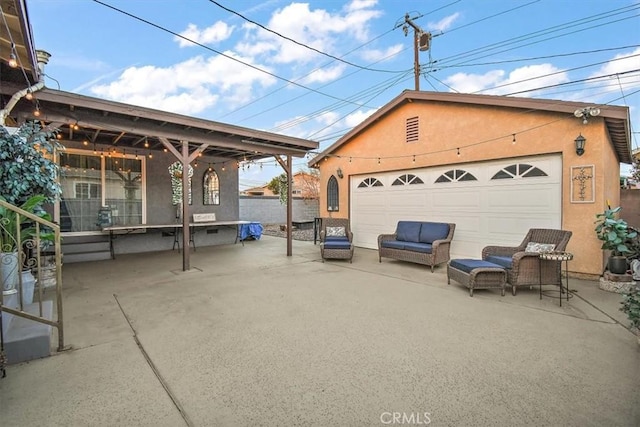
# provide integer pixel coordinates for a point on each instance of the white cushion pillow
(540, 247)
(335, 231)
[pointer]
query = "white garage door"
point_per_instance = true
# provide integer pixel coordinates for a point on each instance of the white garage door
(491, 203)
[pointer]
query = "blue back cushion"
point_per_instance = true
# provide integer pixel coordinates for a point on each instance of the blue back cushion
(408, 231)
(503, 261)
(432, 231)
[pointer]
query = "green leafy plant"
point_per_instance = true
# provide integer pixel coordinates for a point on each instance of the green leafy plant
(631, 306)
(615, 233)
(10, 220)
(27, 165)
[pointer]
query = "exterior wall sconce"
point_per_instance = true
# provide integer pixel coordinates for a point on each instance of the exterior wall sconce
(339, 172)
(580, 142)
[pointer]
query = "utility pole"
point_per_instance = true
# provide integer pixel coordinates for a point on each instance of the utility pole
(421, 41)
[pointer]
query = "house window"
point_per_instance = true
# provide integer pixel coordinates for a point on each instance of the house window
(90, 181)
(412, 129)
(87, 190)
(333, 198)
(407, 179)
(369, 182)
(455, 175)
(519, 170)
(211, 186)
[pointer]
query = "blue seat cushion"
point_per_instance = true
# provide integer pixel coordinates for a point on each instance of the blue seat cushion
(393, 244)
(424, 248)
(336, 239)
(432, 231)
(468, 265)
(503, 261)
(337, 244)
(408, 231)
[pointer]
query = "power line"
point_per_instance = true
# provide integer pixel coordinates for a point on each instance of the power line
(216, 51)
(335, 58)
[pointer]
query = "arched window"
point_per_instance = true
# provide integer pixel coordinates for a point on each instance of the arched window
(211, 188)
(333, 199)
(519, 170)
(455, 175)
(407, 179)
(369, 182)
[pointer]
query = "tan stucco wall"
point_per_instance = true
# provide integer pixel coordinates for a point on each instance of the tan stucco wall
(485, 133)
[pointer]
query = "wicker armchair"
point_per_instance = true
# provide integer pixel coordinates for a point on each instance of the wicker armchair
(524, 268)
(336, 245)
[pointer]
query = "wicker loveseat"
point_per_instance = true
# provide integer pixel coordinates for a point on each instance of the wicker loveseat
(422, 242)
(522, 262)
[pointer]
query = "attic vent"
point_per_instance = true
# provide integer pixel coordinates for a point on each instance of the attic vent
(412, 129)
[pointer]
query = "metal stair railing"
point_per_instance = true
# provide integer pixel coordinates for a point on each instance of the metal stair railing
(34, 254)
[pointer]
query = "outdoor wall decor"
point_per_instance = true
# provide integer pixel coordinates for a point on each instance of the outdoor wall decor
(582, 184)
(175, 170)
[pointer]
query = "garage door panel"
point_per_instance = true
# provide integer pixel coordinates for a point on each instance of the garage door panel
(486, 211)
(533, 199)
(458, 199)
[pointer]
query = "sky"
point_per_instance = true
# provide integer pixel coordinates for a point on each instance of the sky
(316, 69)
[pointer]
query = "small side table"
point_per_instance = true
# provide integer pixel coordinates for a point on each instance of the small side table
(556, 256)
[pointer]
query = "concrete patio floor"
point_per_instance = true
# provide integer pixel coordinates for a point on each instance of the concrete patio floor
(252, 337)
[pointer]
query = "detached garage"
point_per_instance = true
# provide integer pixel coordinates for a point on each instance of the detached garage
(495, 166)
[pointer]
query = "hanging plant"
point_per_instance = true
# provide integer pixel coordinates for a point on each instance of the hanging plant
(175, 171)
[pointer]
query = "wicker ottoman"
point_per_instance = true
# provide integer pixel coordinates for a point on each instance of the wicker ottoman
(336, 250)
(476, 274)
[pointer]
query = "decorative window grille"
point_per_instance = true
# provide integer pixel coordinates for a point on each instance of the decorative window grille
(369, 182)
(455, 175)
(519, 170)
(407, 179)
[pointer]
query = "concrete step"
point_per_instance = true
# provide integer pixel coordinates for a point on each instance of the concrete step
(85, 248)
(87, 256)
(28, 340)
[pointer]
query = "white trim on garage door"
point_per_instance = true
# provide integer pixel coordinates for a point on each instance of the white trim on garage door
(486, 211)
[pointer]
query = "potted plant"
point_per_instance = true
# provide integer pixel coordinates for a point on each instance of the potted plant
(616, 236)
(10, 242)
(28, 179)
(631, 307)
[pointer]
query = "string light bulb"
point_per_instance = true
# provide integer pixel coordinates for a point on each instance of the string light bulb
(146, 143)
(223, 167)
(36, 112)
(13, 60)
(458, 151)
(29, 95)
(514, 139)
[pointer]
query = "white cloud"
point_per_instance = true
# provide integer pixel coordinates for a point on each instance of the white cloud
(188, 87)
(622, 63)
(494, 82)
(375, 55)
(217, 32)
(443, 24)
(323, 75)
(316, 28)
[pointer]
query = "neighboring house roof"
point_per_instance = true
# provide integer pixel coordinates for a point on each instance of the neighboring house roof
(616, 117)
(300, 178)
